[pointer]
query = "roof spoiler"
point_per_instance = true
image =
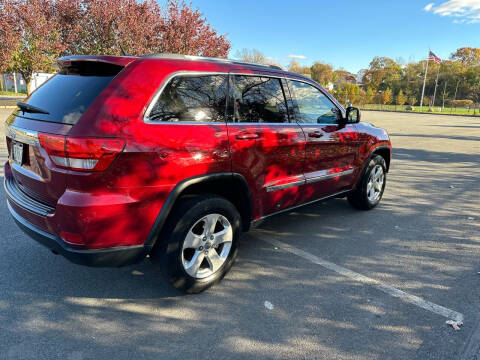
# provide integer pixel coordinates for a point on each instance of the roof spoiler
(123, 61)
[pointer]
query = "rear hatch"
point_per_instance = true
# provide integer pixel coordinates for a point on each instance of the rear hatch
(38, 127)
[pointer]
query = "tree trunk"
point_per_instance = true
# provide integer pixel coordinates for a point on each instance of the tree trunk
(15, 82)
(28, 80)
(29, 86)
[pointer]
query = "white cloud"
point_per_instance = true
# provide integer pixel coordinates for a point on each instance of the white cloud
(428, 7)
(303, 57)
(464, 11)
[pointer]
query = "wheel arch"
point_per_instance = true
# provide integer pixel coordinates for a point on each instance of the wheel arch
(383, 151)
(232, 186)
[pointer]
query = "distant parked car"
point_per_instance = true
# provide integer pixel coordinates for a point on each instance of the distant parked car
(116, 158)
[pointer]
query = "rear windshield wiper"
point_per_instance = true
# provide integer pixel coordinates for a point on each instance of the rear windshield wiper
(31, 109)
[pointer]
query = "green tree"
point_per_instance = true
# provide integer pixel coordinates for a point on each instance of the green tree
(386, 96)
(383, 73)
(412, 100)
(467, 56)
(412, 80)
(322, 73)
(401, 98)
(369, 97)
(472, 77)
(352, 92)
(297, 68)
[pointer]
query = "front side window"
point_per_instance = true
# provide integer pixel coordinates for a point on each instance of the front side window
(192, 98)
(259, 99)
(311, 105)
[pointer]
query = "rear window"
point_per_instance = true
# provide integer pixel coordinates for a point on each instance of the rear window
(67, 95)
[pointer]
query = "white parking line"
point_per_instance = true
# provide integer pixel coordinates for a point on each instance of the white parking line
(390, 290)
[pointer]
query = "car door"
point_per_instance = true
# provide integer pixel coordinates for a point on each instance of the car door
(331, 148)
(266, 148)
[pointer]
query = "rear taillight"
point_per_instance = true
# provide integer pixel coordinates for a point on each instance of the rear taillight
(81, 154)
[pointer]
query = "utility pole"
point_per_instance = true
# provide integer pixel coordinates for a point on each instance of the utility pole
(423, 89)
(444, 89)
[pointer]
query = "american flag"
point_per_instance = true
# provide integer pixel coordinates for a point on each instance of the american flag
(433, 57)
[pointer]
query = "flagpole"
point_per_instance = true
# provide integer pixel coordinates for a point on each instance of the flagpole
(424, 80)
(436, 82)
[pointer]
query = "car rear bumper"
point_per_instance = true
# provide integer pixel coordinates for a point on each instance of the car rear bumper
(109, 257)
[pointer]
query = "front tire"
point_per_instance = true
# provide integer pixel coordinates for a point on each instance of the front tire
(370, 188)
(199, 244)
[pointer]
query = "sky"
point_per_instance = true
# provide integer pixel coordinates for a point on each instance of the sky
(345, 33)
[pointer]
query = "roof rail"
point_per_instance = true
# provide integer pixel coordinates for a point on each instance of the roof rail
(206, 58)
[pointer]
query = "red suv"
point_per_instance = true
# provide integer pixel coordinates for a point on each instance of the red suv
(172, 156)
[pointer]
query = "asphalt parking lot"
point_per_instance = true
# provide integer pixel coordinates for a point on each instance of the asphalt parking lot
(340, 283)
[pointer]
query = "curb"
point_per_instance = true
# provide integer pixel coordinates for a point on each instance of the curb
(418, 112)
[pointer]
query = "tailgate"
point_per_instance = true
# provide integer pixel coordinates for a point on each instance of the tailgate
(32, 169)
(52, 110)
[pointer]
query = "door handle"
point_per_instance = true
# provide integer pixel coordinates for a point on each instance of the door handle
(315, 134)
(247, 136)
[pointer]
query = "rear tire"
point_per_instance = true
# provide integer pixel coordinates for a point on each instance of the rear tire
(199, 242)
(370, 187)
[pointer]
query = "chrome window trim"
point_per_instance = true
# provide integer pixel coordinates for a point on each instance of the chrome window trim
(329, 176)
(206, 73)
(285, 186)
(25, 136)
(309, 180)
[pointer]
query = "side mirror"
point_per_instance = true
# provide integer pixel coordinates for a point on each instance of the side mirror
(353, 115)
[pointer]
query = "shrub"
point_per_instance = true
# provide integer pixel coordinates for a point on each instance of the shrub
(461, 103)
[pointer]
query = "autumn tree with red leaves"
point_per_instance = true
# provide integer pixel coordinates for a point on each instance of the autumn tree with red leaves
(103, 27)
(29, 37)
(185, 31)
(33, 33)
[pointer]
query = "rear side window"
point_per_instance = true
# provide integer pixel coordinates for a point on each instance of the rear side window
(311, 105)
(259, 100)
(67, 95)
(192, 98)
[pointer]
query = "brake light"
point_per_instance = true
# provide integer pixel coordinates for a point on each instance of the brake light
(82, 154)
